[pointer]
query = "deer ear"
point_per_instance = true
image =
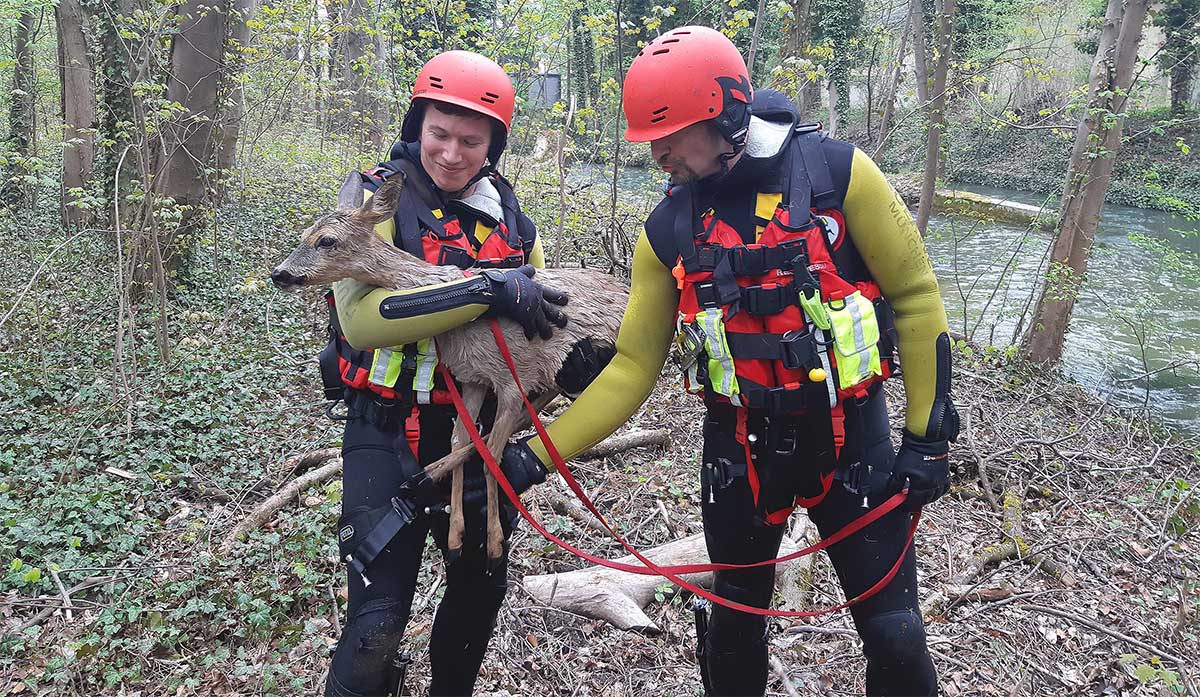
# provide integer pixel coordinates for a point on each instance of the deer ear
(350, 197)
(383, 203)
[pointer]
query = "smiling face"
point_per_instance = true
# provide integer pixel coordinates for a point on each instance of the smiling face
(690, 153)
(454, 147)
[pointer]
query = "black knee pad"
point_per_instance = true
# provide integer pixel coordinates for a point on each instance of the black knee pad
(730, 629)
(364, 660)
(894, 639)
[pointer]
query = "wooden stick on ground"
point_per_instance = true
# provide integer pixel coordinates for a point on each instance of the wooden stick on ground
(267, 509)
(66, 596)
(634, 439)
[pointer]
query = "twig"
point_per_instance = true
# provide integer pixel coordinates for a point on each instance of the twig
(33, 279)
(1092, 624)
(271, 506)
(70, 609)
(78, 588)
(980, 463)
(781, 672)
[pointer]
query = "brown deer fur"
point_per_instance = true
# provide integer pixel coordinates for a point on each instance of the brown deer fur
(343, 244)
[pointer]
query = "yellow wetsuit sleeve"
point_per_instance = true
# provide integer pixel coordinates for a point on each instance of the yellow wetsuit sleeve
(642, 346)
(366, 328)
(537, 256)
(890, 244)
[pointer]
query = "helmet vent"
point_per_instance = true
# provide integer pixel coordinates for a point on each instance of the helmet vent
(435, 81)
(670, 41)
(661, 51)
(493, 95)
(660, 110)
(487, 100)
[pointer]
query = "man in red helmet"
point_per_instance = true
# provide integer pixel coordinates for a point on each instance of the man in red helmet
(454, 210)
(777, 261)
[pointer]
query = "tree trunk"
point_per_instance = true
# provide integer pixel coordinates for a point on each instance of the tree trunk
(78, 108)
(889, 102)
(916, 20)
(22, 110)
(194, 80)
(832, 126)
(754, 37)
(1181, 85)
(356, 57)
(935, 111)
(115, 77)
(1097, 142)
(799, 31)
(233, 100)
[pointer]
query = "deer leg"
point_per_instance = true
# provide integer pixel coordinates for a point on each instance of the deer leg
(509, 413)
(473, 396)
(464, 448)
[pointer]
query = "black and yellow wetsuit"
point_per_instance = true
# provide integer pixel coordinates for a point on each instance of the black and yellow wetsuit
(881, 230)
(378, 457)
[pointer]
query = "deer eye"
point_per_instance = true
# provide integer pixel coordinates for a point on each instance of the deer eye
(327, 242)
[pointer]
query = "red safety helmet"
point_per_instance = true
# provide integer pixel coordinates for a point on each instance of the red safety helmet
(468, 80)
(685, 76)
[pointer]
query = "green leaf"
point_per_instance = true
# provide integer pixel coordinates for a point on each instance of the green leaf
(33, 575)
(1145, 672)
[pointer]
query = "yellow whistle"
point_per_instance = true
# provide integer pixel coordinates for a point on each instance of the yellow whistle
(816, 375)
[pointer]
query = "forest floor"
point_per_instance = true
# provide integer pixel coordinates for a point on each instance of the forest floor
(1065, 560)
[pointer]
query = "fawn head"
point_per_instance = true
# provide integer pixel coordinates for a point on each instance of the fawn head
(336, 245)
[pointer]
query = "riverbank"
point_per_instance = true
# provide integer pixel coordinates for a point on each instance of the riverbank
(1154, 170)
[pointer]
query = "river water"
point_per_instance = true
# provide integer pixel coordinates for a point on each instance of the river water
(1137, 312)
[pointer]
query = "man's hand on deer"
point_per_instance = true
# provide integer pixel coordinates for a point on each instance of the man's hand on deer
(530, 304)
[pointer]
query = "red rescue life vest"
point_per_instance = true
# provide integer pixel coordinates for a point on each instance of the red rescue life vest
(776, 325)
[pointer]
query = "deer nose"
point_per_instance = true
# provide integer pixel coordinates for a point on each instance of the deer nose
(284, 278)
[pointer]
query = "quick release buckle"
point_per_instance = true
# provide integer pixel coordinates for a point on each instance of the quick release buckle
(798, 349)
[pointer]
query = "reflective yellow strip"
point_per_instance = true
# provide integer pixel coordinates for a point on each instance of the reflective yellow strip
(385, 367)
(426, 365)
(482, 231)
(720, 361)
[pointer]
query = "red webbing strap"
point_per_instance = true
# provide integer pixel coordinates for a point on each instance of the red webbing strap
(650, 567)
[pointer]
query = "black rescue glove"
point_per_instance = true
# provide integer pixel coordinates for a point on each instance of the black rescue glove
(514, 294)
(522, 468)
(924, 465)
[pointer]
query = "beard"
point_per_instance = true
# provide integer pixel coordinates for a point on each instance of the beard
(678, 171)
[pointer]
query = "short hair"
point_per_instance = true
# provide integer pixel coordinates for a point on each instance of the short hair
(455, 110)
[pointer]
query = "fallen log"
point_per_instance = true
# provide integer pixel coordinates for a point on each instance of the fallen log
(618, 597)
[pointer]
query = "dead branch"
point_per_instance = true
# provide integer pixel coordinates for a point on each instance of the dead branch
(626, 441)
(62, 590)
(267, 509)
(74, 590)
(299, 464)
(571, 508)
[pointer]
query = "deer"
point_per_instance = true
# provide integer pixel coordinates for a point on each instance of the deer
(343, 244)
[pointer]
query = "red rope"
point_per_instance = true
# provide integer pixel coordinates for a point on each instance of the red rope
(669, 572)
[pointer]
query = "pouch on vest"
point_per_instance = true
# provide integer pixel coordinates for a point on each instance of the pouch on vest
(855, 339)
(331, 377)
